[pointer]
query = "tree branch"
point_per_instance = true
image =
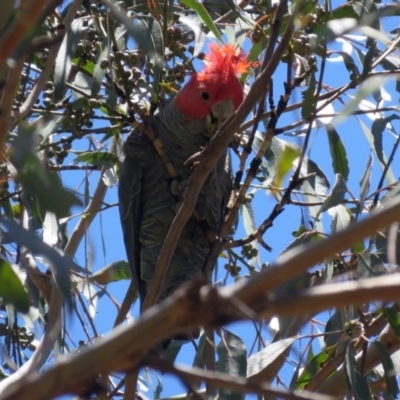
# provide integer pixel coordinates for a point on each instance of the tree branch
(218, 380)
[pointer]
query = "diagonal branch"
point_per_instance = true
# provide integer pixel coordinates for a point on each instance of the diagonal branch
(218, 380)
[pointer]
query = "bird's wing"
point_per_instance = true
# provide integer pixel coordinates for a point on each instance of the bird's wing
(129, 193)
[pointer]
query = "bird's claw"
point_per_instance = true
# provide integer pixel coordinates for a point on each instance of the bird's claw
(193, 161)
(178, 187)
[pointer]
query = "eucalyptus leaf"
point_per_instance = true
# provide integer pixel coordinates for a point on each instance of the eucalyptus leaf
(114, 272)
(102, 158)
(340, 162)
(41, 185)
(337, 195)
(11, 288)
(376, 145)
(65, 55)
(99, 72)
(60, 263)
(265, 364)
(232, 360)
(308, 98)
(197, 6)
(365, 182)
(392, 388)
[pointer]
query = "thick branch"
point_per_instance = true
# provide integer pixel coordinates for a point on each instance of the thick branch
(303, 257)
(126, 346)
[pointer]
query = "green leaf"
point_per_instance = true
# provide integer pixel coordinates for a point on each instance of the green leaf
(343, 11)
(365, 183)
(145, 30)
(288, 155)
(11, 288)
(350, 64)
(100, 158)
(314, 365)
(99, 72)
(308, 98)
(332, 329)
(393, 318)
(264, 365)
(337, 195)
(114, 272)
(341, 218)
(63, 62)
(375, 141)
(197, 6)
(250, 226)
(197, 28)
(59, 262)
(355, 382)
(41, 186)
(232, 360)
(304, 239)
(369, 56)
(392, 389)
(338, 153)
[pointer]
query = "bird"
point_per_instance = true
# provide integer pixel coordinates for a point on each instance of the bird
(147, 204)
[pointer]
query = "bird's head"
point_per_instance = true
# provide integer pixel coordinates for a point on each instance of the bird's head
(216, 89)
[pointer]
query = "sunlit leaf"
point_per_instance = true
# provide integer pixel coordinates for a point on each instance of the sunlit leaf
(64, 58)
(285, 163)
(11, 288)
(314, 365)
(205, 17)
(337, 195)
(393, 318)
(341, 218)
(250, 226)
(304, 239)
(99, 71)
(116, 271)
(264, 365)
(59, 262)
(338, 152)
(102, 158)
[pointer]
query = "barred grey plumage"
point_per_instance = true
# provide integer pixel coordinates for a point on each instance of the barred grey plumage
(147, 205)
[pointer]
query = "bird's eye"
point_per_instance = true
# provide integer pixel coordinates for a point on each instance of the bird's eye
(205, 95)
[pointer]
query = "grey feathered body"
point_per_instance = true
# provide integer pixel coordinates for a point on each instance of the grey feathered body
(147, 205)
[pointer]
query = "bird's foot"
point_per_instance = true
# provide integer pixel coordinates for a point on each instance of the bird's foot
(178, 187)
(193, 161)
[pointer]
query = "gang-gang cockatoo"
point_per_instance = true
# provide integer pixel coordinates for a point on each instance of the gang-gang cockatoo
(147, 203)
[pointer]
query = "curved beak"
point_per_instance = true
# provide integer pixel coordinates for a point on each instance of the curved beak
(219, 114)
